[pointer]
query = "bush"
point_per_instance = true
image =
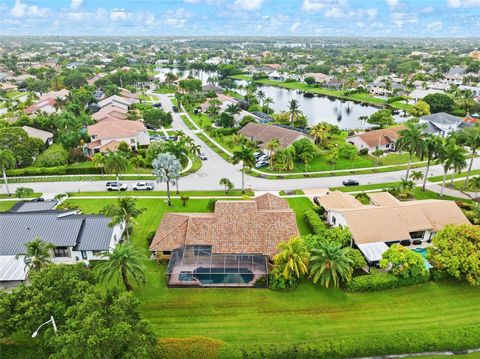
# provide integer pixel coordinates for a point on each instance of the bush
(363, 152)
(186, 348)
(380, 281)
(314, 221)
(357, 257)
(58, 170)
(149, 237)
(211, 204)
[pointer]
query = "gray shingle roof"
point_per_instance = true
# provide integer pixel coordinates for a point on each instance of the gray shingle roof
(24, 206)
(96, 234)
(442, 118)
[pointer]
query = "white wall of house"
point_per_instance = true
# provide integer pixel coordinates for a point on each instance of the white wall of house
(360, 144)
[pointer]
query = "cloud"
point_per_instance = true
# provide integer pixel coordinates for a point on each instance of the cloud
(464, 3)
(119, 15)
(402, 18)
(317, 5)
(248, 5)
(435, 26)
(22, 10)
(76, 4)
(392, 3)
(177, 18)
(371, 12)
(295, 26)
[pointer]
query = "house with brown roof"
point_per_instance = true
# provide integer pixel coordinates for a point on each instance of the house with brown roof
(243, 233)
(107, 134)
(45, 136)
(110, 112)
(386, 220)
(384, 139)
(263, 133)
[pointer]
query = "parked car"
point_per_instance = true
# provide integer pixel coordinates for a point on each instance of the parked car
(202, 156)
(158, 104)
(150, 127)
(175, 109)
(257, 155)
(116, 186)
(173, 138)
(263, 158)
(350, 182)
(261, 164)
(39, 199)
(143, 186)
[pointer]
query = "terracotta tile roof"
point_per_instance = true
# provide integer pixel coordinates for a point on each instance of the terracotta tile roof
(253, 226)
(111, 145)
(381, 137)
(113, 128)
(110, 112)
(40, 105)
(338, 200)
(265, 132)
(383, 199)
(63, 93)
(35, 132)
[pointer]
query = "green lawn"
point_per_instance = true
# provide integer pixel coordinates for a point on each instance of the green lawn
(457, 175)
(299, 205)
(163, 193)
(6, 205)
(365, 187)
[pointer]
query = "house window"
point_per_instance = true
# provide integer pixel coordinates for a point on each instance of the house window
(84, 254)
(387, 145)
(417, 234)
(334, 220)
(61, 252)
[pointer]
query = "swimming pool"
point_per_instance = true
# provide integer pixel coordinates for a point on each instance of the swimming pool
(423, 252)
(223, 275)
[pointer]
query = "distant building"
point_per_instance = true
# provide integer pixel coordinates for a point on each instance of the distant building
(442, 123)
(475, 54)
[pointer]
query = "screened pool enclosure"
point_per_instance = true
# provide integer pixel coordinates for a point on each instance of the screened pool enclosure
(197, 266)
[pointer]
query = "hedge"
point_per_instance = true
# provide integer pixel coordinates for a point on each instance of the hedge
(186, 348)
(59, 170)
(314, 221)
(365, 345)
(380, 281)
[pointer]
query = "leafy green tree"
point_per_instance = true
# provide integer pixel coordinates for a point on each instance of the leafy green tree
(332, 157)
(167, 168)
(319, 132)
(124, 211)
(421, 108)
(137, 161)
(24, 148)
(439, 102)
(456, 251)
(122, 262)
(357, 258)
(74, 79)
(273, 145)
(349, 152)
(184, 200)
(7, 161)
(190, 85)
(329, 263)
(55, 155)
(309, 80)
(38, 254)
(411, 141)
(474, 184)
(403, 262)
(115, 163)
(23, 192)
(292, 258)
(452, 157)
(98, 160)
(377, 154)
(302, 146)
(226, 183)
(244, 155)
(381, 118)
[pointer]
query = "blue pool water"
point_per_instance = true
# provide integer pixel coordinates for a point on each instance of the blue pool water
(423, 252)
(223, 276)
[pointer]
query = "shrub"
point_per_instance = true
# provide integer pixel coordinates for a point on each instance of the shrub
(23, 192)
(149, 237)
(211, 204)
(356, 256)
(363, 152)
(186, 348)
(380, 281)
(277, 281)
(314, 221)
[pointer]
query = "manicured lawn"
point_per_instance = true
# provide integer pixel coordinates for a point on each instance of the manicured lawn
(162, 193)
(299, 205)
(464, 356)
(6, 205)
(457, 175)
(365, 187)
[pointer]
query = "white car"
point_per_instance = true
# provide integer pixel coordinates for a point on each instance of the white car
(143, 186)
(202, 156)
(116, 186)
(261, 164)
(263, 158)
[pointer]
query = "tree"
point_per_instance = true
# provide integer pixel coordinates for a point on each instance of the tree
(137, 161)
(416, 175)
(124, 211)
(470, 137)
(184, 200)
(38, 254)
(7, 161)
(292, 258)
(333, 157)
(403, 262)
(474, 184)
(381, 118)
(309, 80)
(273, 145)
(456, 250)
(226, 183)
(167, 168)
(329, 263)
(23, 192)
(357, 258)
(433, 144)
(319, 132)
(421, 108)
(98, 161)
(293, 110)
(439, 102)
(411, 140)
(122, 262)
(306, 158)
(115, 163)
(451, 156)
(24, 148)
(303, 145)
(266, 103)
(55, 155)
(244, 155)
(349, 152)
(377, 154)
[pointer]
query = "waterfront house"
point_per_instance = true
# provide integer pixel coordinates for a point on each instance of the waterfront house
(384, 139)
(442, 123)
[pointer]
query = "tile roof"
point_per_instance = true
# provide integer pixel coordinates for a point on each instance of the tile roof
(380, 137)
(113, 128)
(265, 132)
(110, 111)
(40, 105)
(35, 132)
(338, 200)
(254, 226)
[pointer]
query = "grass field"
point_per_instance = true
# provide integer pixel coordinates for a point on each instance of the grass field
(6, 205)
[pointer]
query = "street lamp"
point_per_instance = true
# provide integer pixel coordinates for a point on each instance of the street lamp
(48, 321)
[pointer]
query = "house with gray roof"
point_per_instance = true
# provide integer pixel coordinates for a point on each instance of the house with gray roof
(77, 237)
(442, 123)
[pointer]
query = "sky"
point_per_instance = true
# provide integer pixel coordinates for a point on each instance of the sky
(377, 18)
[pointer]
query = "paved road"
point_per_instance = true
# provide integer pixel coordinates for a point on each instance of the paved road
(215, 168)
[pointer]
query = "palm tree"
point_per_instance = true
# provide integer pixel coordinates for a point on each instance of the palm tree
(433, 145)
(416, 175)
(273, 145)
(329, 264)
(98, 160)
(266, 102)
(471, 138)
(196, 149)
(293, 109)
(124, 211)
(377, 153)
(59, 103)
(292, 258)
(7, 161)
(319, 132)
(126, 261)
(453, 157)
(261, 97)
(115, 163)
(167, 168)
(306, 158)
(226, 183)
(137, 161)
(412, 141)
(244, 155)
(475, 184)
(38, 254)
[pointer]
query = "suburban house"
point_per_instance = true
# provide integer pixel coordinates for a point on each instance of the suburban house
(118, 101)
(110, 112)
(107, 135)
(263, 133)
(45, 136)
(383, 139)
(442, 123)
(76, 237)
(46, 102)
(455, 75)
(63, 94)
(420, 94)
(386, 220)
(229, 247)
(318, 76)
(225, 102)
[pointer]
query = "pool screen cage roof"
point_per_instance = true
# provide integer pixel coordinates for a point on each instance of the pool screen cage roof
(194, 256)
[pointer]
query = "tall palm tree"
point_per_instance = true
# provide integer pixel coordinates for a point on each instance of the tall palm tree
(470, 137)
(319, 132)
(273, 145)
(244, 155)
(38, 254)
(261, 97)
(454, 157)
(115, 163)
(167, 168)
(293, 109)
(412, 141)
(124, 211)
(98, 160)
(329, 264)
(475, 184)
(292, 258)
(7, 161)
(266, 102)
(126, 261)
(433, 145)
